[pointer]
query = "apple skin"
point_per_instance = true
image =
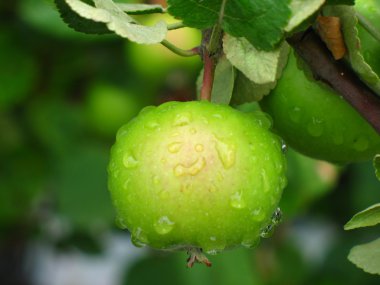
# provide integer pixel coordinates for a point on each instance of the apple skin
(370, 47)
(108, 107)
(196, 175)
(316, 121)
(155, 61)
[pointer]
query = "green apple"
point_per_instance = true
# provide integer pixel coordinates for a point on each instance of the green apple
(108, 107)
(316, 121)
(155, 61)
(194, 175)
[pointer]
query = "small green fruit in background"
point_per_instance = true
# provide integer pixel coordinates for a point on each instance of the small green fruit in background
(370, 47)
(156, 60)
(108, 107)
(195, 175)
(315, 121)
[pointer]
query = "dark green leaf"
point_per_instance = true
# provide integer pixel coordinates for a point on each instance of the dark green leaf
(260, 22)
(376, 164)
(367, 256)
(78, 23)
(340, 2)
(366, 218)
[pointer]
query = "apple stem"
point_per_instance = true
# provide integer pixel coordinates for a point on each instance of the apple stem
(375, 33)
(196, 255)
(208, 77)
(337, 75)
(179, 51)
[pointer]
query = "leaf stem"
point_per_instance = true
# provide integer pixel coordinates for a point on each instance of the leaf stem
(176, 26)
(375, 33)
(179, 51)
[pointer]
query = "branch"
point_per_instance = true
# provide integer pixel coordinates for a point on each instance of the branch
(337, 75)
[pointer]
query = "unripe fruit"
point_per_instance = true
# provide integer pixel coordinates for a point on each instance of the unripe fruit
(316, 121)
(196, 175)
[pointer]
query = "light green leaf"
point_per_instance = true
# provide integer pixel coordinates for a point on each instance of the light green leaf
(223, 82)
(367, 256)
(106, 11)
(261, 67)
(136, 9)
(247, 91)
(376, 164)
(366, 218)
(354, 55)
(301, 10)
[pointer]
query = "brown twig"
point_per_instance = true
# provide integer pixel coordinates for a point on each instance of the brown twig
(208, 76)
(337, 75)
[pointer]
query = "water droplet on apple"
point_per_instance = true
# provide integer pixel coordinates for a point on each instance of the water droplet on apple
(258, 214)
(175, 147)
(139, 238)
(250, 242)
(284, 147)
(267, 231)
(361, 144)
(164, 225)
(182, 119)
(129, 161)
(199, 147)
(237, 201)
(226, 153)
(315, 127)
(277, 216)
(212, 238)
(212, 251)
(121, 223)
(295, 114)
(193, 169)
(152, 125)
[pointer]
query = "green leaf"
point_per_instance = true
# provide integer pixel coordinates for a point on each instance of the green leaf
(107, 12)
(366, 218)
(260, 22)
(261, 67)
(224, 80)
(376, 164)
(301, 10)
(76, 22)
(367, 256)
(354, 55)
(247, 91)
(137, 9)
(340, 2)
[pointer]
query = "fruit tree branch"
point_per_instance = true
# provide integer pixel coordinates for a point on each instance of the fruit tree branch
(337, 74)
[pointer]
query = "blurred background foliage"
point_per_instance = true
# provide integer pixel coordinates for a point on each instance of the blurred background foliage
(63, 95)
